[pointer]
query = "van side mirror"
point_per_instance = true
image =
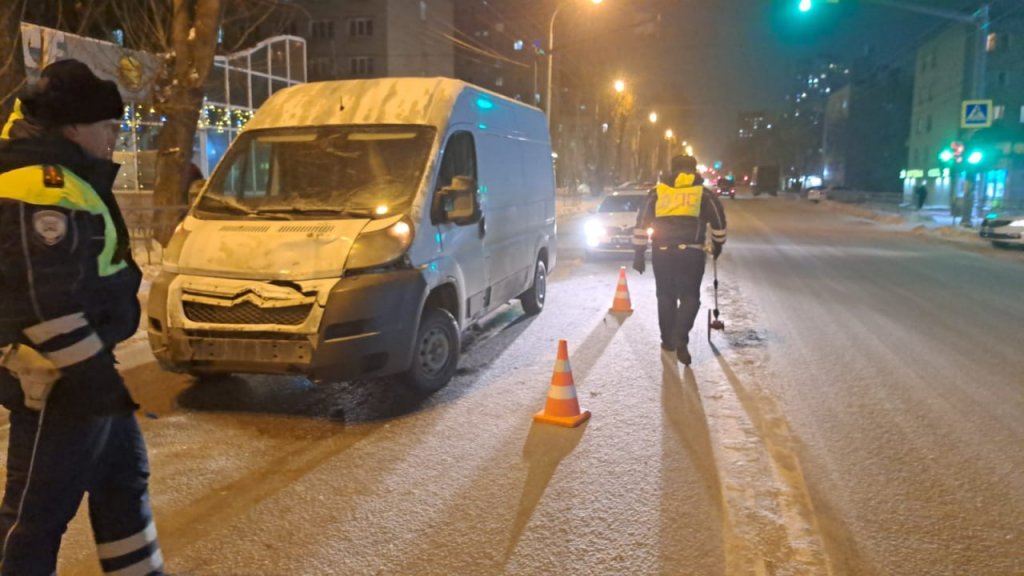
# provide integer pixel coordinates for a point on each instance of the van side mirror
(459, 202)
(193, 190)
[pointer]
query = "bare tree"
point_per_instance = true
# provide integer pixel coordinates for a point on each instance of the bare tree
(12, 65)
(187, 34)
(193, 38)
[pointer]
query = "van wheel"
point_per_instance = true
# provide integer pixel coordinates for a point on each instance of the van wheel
(533, 299)
(435, 354)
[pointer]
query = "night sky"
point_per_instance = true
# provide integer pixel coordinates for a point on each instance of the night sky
(733, 55)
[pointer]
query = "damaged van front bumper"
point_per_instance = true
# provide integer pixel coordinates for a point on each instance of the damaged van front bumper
(357, 326)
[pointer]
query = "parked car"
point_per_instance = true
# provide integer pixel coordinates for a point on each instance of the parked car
(610, 229)
(835, 193)
(1003, 230)
(816, 193)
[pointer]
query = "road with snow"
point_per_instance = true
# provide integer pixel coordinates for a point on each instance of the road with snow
(863, 413)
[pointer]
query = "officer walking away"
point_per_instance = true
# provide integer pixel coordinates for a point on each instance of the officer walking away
(68, 295)
(679, 211)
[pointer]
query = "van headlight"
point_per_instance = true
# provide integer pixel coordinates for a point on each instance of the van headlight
(380, 247)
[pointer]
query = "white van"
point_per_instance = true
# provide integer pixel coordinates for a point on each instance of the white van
(355, 229)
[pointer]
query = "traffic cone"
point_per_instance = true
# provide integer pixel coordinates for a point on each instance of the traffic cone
(621, 304)
(562, 407)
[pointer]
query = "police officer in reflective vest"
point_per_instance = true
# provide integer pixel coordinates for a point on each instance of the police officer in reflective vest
(675, 218)
(68, 295)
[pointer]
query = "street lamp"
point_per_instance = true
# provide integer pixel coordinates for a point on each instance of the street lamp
(620, 86)
(669, 134)
(551, 53)
(653, 117)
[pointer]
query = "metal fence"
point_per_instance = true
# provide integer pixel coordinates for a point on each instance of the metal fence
(146, 231)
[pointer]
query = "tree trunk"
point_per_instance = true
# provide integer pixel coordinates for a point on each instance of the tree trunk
(12, 63)
(194, 41)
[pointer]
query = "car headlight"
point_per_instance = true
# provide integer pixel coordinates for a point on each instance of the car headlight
(380, 247)
(1017, 223)
(593, 228)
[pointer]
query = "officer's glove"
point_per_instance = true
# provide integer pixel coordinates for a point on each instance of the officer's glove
(639, 262)
(716, 250)
(34, 371)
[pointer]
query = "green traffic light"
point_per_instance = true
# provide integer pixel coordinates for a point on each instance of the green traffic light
(975, 157)
(805, 5)
(946, 155)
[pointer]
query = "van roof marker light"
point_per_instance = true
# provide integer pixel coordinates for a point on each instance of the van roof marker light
(381, 210)
(484, 104)
(482, 126)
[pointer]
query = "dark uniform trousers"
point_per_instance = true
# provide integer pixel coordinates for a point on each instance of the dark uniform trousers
(677, 276)
(103, 456)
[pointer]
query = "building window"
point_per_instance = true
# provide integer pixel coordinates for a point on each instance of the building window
(321, 29)
(360, 66)
(998, 112)
(1003, 78)
(320, 68)
(991, 42)
(360, 27)
(423, 10)
(928, 124)
(499, 82)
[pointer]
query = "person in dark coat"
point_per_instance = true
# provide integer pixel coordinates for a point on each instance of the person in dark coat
(68, 296)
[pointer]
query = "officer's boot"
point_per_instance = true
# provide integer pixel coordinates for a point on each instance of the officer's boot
(683, 354)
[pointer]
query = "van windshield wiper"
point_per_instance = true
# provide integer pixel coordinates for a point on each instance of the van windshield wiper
(225, 202)
(316, 211)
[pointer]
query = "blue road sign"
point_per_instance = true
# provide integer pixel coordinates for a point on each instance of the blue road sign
(976, 114)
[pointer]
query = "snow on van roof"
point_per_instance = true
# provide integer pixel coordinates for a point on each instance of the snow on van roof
(370, 101)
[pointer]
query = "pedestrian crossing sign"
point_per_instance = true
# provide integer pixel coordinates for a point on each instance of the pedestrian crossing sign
(976, 114)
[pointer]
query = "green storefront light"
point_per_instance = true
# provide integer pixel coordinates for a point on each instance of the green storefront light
(805, 5)
(975, 157)
(946, 155)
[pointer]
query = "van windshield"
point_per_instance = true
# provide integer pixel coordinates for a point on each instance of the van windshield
(359, 171)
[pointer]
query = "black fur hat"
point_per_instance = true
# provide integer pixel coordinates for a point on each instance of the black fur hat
(686, 164)
(69, 93)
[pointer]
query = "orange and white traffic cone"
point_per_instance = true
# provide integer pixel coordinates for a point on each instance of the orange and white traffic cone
(562, 407)
(621, 304)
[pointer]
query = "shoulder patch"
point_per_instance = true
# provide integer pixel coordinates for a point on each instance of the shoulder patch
(50, 226)
(53, 176)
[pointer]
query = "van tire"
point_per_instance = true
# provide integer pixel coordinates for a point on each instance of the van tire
(533, 299)
(435, 352)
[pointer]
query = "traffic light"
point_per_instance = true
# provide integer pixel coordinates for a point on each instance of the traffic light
(954, 154)
(807, 5)
(975, 157)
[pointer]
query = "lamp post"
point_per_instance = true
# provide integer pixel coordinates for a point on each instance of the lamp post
(551, 54)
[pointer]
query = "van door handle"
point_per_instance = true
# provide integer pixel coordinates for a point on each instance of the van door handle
(483, 227)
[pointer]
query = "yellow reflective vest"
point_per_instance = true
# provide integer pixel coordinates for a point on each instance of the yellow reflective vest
(682, 199)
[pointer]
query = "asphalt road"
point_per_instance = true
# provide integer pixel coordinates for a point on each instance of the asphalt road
(862, 413)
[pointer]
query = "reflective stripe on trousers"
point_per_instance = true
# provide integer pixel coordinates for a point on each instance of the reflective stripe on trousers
(102, 456)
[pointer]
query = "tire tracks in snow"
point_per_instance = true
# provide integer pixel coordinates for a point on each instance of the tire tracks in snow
(771, 525)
